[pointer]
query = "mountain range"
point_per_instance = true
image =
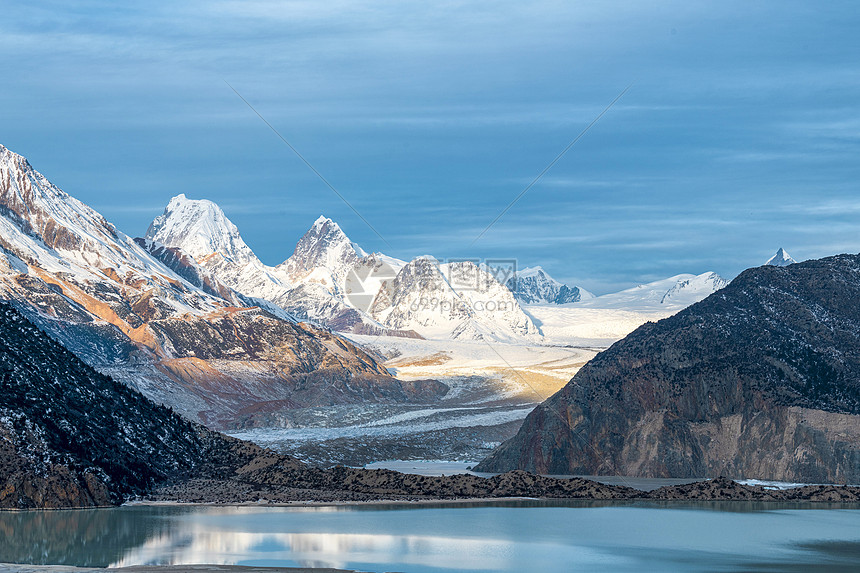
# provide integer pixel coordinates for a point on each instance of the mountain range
(71, 437)
(330, 280)
(190, 316)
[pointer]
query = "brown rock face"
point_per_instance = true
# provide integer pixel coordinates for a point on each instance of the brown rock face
(759, 380)
(61, 488)
(211, 366)
(185, 266)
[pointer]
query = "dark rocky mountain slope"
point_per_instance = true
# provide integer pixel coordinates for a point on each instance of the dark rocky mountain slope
(759, 380)
(70, 436)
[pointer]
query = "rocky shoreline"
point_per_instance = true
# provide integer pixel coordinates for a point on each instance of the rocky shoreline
(275, 484)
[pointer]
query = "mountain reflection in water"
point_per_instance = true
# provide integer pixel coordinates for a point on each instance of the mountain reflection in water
(510, 536)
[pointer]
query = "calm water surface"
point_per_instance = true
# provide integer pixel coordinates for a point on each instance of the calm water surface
(515, 536)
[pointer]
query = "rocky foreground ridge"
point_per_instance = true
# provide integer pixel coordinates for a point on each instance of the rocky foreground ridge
(759, 380)
(72, 437)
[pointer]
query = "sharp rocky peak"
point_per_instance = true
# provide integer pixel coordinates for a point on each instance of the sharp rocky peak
(533, 285)
(780, 259)
(200, 228)
(323, 245)
(41, 209)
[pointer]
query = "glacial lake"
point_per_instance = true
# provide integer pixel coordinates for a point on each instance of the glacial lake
(502, 536)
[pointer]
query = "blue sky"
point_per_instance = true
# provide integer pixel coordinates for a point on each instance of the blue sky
(740, 133)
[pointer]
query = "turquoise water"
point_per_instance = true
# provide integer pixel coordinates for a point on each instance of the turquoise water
(515, 536)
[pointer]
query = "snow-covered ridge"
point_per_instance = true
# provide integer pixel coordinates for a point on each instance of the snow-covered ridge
(533, 285)
(602, 320)
(154, 317)
(200, 228)
(673, 293)
(45, 228)
(458, 300)
(690, 290)
(333, 281)
(309, 285)
(324, 247)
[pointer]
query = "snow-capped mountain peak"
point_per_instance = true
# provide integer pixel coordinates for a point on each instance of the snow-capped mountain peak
(149, 314)
(41, 208)
(459, 300)
(330, 280)
(533, 285)
(686, 291)
(200, 228)
(780, 259)
(536, 271)
(324, 245)
(45, 226)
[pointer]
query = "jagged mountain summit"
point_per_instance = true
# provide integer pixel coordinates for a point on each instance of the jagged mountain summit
(759, 380)
(533, 285)
(309, 285)
(150, 316)
(201, 230)
(325, 250)
(780, 259)
(334, 281)
(330, 280)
